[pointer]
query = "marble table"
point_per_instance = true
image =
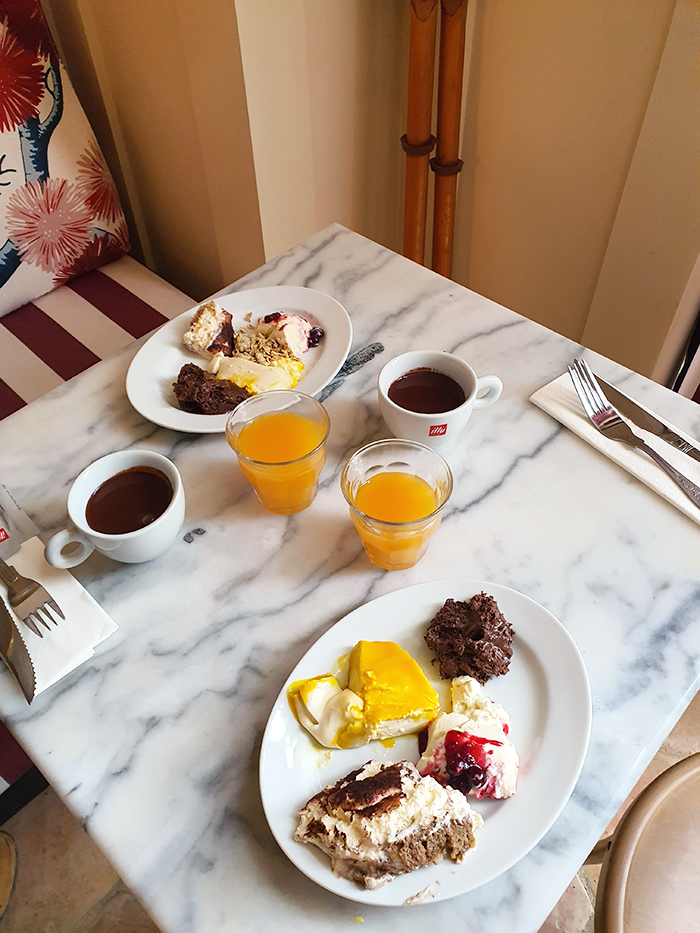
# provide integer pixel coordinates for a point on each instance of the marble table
(154, 743)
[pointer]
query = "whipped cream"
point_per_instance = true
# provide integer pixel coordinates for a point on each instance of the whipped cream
(290, 330)
(327, 711)
(469, 748)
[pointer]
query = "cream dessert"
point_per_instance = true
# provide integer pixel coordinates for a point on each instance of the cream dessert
(210, 332)
(387, 695)
(256, 377)
(290, 330)
(469, 749)
(382, 821)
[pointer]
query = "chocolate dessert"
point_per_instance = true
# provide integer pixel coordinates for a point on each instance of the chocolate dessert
(471, 638)
(201, 393)
(386, 820)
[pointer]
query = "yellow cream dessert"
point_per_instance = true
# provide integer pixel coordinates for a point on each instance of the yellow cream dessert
(387, 695)
(257, 377)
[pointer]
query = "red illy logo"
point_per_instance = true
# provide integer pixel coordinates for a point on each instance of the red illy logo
(3, 535)
(436, 429)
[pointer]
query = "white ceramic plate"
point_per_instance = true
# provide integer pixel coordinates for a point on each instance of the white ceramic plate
(155, 367)
(545, 691)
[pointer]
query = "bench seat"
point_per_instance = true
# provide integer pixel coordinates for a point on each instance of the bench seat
(46, 342)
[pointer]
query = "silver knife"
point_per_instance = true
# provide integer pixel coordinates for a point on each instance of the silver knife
(14, 653)
(630, 409)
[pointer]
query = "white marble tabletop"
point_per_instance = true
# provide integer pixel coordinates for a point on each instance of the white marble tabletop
(154, 743)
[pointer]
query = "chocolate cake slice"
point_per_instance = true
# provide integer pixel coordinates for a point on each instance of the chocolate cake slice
(201, 393)
(386, 820)
(471, 638)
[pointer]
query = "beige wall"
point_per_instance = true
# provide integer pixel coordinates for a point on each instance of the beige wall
(237, 128)
(559, 89)
(325, 81)
(162, 83)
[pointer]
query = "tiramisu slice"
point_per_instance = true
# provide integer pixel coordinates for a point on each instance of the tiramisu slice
(386, 820)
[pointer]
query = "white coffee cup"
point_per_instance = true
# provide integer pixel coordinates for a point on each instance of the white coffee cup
(440, 430)
(133, 547)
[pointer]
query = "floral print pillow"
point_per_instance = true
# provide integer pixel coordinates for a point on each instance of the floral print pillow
(60, 214)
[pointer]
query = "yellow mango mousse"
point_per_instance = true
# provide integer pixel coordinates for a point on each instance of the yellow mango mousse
(387, 695)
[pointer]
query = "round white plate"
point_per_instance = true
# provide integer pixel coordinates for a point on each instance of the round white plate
(545, 691)
(149, 381)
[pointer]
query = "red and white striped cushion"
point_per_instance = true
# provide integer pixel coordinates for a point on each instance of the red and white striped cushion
(57, 336)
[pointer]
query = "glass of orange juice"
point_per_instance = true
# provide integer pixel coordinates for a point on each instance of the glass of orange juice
(396, 490)
(280, 440)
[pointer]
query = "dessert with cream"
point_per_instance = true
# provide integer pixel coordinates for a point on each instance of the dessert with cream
(256, 377)
(469, 749)
(382, 821)
(471, 638)
(211, 331)
(290, 330)
(255, 358)
(387, 695)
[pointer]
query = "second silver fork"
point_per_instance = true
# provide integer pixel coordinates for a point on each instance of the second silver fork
(610, 423)
(29, 599)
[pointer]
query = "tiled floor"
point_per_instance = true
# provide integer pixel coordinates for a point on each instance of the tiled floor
(65, 885)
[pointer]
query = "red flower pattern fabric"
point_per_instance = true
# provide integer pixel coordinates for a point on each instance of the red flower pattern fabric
(21, 82)
(58, 202)
(49, 223)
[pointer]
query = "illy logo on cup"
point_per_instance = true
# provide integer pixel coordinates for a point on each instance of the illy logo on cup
(437, 429)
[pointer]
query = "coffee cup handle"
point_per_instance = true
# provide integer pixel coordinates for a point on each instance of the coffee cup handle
(53, 551)
(493, 386)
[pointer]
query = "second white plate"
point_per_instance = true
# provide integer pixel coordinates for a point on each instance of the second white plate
(545, 691)
(149, 381)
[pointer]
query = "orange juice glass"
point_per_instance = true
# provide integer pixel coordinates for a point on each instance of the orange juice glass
(396, 490)
(280, 440)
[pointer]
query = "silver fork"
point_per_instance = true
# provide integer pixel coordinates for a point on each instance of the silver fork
(610, 423)
(29, 599)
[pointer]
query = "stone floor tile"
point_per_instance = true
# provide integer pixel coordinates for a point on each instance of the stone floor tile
(60, 871)
(118, 912)
(572, 911)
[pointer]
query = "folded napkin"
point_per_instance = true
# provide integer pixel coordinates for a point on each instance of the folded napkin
(559, 399)
(68, 644)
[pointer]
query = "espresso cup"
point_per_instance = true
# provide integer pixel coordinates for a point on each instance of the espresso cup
(130, 547)
(438, 430)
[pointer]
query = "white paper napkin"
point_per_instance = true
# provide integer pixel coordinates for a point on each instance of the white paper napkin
(68, 644)
(559, 399)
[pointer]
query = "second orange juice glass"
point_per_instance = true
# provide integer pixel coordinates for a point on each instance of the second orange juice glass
(396, 490)
(280, 440)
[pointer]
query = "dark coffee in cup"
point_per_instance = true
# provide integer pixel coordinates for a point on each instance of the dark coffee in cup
(129, 500)
(427, 391)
